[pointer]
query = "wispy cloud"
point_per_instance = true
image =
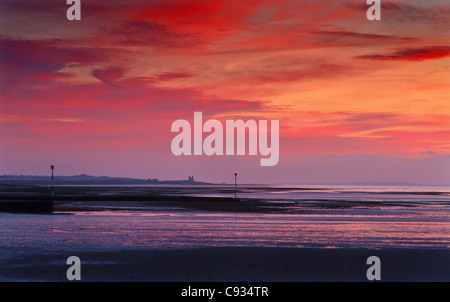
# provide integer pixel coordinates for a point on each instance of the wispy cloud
(412, 54)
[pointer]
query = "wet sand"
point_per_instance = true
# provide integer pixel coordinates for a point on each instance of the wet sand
(212, 264)
(232, 264)
(198, 198)
(97, 198)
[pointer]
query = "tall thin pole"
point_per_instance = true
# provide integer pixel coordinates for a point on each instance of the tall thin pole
(235, 184)
(52, 167)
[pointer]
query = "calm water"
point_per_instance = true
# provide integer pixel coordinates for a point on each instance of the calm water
(413, 218)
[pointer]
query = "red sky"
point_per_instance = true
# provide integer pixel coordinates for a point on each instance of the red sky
(357, 100)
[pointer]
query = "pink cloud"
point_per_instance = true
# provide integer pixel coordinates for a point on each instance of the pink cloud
(412, 54)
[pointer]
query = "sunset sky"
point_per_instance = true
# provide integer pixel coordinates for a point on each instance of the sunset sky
(357, 100)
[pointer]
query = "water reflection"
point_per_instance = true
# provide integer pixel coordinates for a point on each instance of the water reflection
(116, 230)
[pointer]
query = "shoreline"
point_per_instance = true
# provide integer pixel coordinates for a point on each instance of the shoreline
(25, 198)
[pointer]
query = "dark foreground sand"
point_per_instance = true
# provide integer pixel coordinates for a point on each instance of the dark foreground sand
(232, 264)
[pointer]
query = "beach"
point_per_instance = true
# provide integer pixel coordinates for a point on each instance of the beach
(199, 234)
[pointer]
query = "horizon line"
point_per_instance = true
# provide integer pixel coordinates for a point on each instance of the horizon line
(350, 183)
